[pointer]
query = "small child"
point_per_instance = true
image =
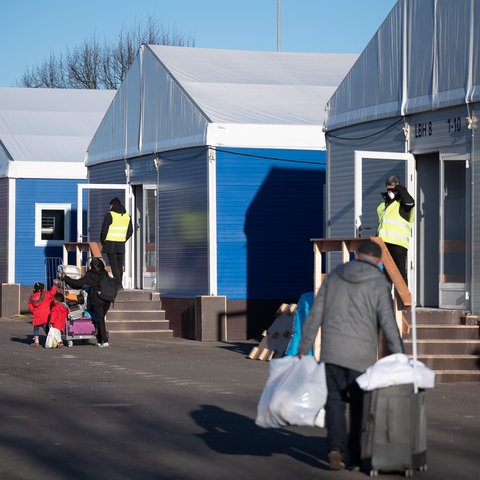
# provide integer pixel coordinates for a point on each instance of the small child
(39, 304)
(58, 317)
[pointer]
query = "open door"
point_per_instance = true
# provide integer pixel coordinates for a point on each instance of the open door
(82, 236)
(367, 167)
(145, 235)
(454, 261)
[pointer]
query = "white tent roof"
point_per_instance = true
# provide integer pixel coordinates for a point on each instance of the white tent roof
(44, 133)
(423, 57)
(175, 97)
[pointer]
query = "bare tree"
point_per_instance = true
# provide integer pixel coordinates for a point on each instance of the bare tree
(92, 65)
(51, 72)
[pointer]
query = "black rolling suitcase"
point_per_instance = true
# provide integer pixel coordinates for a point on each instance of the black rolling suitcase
(394, 432)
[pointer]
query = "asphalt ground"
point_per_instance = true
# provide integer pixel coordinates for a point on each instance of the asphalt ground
(178, 409)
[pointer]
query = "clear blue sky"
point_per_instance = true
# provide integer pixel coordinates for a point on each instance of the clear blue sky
(30, 30)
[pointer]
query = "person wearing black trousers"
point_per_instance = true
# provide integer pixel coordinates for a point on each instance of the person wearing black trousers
(116, 230)
(395, 220)
(100, 307)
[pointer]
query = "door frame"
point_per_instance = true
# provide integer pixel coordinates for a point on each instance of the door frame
(410, 178)
(128, 203)
(455, 286)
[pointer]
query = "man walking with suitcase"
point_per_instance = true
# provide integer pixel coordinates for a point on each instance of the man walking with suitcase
(352, 304)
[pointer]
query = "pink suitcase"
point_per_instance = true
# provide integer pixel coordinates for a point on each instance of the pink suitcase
(79, 329)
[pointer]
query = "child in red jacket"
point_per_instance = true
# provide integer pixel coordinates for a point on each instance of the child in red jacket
(58, 318)
(39, 304)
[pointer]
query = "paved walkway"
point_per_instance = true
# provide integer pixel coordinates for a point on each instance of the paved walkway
(177, 409)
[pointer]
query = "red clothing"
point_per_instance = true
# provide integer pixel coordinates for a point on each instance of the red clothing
(39, 304)
(58, 316)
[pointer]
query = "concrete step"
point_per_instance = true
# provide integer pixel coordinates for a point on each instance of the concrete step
(446, 332)
(457, 376)
(134, 304)
(426, 316)
(124, 325)
(136, 315)
(448, 342)
(450, 347)
(145, 295)
(450, 362)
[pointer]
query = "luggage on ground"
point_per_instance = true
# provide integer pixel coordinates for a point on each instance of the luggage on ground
(394, 430)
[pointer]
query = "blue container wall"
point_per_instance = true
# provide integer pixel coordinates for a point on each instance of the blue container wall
(29, 259)
(270, 203)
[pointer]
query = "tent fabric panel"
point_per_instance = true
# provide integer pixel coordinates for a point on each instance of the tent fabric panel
(53, 125)
(120, 122)
(233, 86)
(474, 88)
(149, 114)
(167, 113)
(372, 88)
(431, 46)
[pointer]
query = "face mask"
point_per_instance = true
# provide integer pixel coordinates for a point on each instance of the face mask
(391, 195)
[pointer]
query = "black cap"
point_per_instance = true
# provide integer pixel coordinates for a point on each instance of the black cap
(370, 248)
(38, 287)
(392, 180)
(115, 201)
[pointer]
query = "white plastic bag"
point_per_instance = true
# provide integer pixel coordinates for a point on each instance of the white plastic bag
(294, 394)
(54, 337)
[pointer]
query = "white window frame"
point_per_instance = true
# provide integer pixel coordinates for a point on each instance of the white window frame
(39, 208)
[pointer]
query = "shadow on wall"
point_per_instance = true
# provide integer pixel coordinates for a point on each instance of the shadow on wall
(286, 213)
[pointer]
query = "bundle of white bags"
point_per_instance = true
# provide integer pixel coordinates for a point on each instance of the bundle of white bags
(294, 394)
(396, 369)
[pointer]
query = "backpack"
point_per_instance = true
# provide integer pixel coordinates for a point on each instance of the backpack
(107, 291)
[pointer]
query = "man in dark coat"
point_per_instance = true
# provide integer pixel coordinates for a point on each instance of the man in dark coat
(116, 230)
(354, 301)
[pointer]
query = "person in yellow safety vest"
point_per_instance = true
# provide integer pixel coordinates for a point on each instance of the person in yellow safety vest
(395, 220)
(116, 230)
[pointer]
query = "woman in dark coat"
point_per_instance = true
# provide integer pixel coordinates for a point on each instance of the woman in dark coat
(100, 307)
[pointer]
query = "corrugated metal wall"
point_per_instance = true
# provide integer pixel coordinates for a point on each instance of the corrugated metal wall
(182, 228)
(98, 200)
(386, 135)
(475, 165)
(341, 146)
(4, 227)
(270, 203)
(29, 260)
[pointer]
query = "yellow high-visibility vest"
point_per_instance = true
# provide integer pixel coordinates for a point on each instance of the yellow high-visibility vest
(392, 227)
(117, 231)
